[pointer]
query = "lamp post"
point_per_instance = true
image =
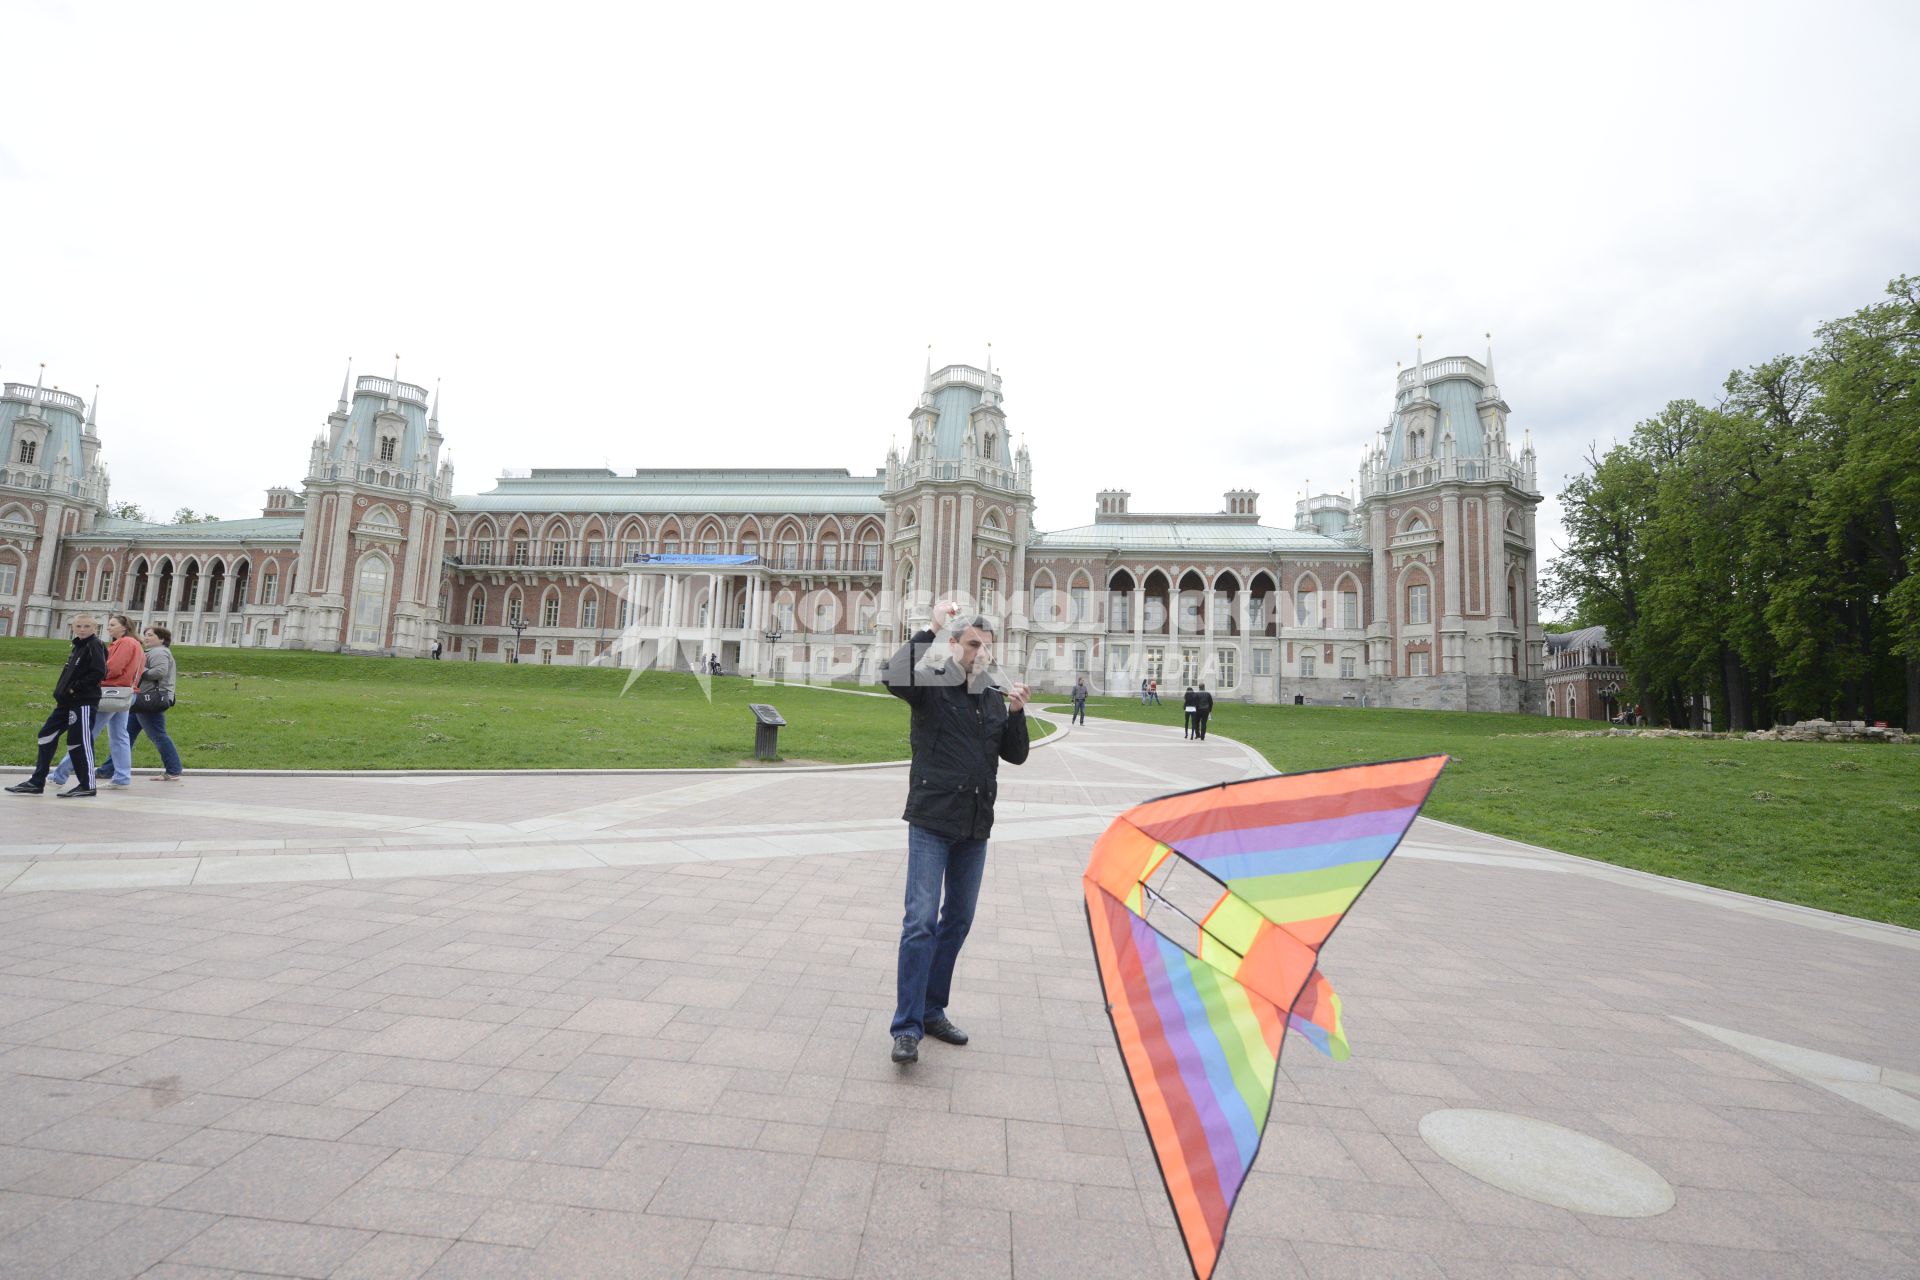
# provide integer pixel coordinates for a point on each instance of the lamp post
(772, 637)
(519, 624)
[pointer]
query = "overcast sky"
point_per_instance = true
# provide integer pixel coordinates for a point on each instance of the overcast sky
(1197, 237)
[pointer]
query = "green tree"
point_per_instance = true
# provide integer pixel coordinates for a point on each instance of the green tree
(187, 515)
(126, 511)
(1867, 500)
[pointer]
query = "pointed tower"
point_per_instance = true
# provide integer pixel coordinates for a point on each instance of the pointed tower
(1449, 516)
(959, 508)
(379, 499)
(51, 485)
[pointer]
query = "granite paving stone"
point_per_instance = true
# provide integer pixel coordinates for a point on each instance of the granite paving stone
(635, 1024)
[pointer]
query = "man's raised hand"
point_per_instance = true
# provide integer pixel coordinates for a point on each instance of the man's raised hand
(1017, 697)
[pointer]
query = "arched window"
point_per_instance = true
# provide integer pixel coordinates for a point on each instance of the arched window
(590, 611)
(515, 607)
(105, 589)
(477, 607)
(1120, 601)
(370, 601)
(1080, 598)
(27, 449)
(550, 612)
(270, 585)
(242, 579)
(1347, 592)
(1306, 602)
(190, 585)
(1419, 602)
(216, 585)
(79, 591)
(1043, 606)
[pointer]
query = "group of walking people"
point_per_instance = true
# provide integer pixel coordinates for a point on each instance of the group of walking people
(123, 685)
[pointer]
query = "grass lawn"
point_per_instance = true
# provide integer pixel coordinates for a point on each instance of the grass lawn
(280, 709)
(1821, 824)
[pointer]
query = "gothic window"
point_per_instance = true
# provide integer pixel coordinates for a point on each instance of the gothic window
(1077, 606)
(190, 591)
(556, 551)
(1306, 605)
(79, 591)
(520, 550)
(1418, 612)
(270, 587)
(989, 594)
(670, 545)
(106, 583)
(749, 545)
(387, 446)
(986, 446)
(370, 602)
(710, 545)
(596, 551)
(27, 449)
(1350, 610)
(476, 608)
(830, 554)
(242, 577)
(590, 612)
(483, 551)
(514, 613)
(550, 612)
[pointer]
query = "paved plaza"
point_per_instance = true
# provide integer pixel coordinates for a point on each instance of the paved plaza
(578, 1025)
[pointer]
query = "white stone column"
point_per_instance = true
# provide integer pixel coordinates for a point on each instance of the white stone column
(1139, 633)
(925, 575)
(963, 554)
(1243, 613)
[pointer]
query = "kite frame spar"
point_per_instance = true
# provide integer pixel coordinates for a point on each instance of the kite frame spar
(1149, 895)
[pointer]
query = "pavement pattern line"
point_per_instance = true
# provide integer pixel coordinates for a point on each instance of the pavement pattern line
(678, 1067)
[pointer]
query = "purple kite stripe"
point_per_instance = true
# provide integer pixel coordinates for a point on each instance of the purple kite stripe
(1193, 1073)
(1300, 836)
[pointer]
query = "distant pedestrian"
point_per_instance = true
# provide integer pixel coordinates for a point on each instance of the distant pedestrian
(436, 648)
(1203, 707)
(1080, 701)
(76, 697)
(1146, 687)
(155, 699)
(1190, 715)
(1153, 691)
(125, 661)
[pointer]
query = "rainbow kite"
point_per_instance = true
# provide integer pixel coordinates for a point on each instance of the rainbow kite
(1200, 1029)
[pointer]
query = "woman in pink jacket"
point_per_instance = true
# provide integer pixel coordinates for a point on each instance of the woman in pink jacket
(125, 661)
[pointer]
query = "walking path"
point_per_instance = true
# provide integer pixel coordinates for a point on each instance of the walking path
(635, 1025)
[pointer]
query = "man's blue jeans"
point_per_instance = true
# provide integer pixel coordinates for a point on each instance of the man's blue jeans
(931, 935)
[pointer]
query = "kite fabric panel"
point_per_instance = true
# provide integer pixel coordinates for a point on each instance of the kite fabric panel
(1200, 1027)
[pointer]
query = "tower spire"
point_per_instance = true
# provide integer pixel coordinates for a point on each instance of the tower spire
(433, 414)
(93, 409)
(1420, 362)
(393, 391)
(41, 381)
(346, 386)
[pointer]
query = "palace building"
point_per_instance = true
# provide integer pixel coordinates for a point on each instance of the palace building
(1417, 592)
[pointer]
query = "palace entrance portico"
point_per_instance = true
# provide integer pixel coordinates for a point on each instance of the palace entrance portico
(676, 610)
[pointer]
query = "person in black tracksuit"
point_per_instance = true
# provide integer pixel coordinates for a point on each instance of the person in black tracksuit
(1202, 710)
(76, 697)
(963, 726)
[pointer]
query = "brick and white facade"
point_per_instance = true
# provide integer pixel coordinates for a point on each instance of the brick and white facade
(1419, 593)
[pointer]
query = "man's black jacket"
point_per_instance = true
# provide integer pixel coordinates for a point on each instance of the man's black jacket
(959, 740)
(79, 682)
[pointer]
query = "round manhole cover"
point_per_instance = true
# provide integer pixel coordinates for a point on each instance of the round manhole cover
(1546, 1162)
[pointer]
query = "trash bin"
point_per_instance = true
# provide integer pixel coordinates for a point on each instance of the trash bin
(766, 731)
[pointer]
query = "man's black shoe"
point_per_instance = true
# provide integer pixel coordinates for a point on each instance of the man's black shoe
(906, 1049)
(25, 789)
(78, 793)
(943, 1029)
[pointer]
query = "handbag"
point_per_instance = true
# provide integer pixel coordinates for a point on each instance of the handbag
(115, 698)
(152, 700)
